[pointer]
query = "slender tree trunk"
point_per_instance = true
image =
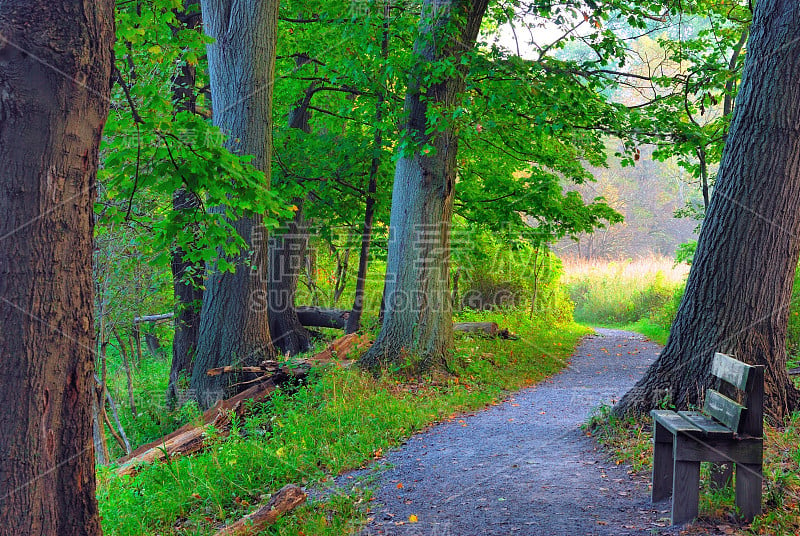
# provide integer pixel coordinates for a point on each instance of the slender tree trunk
(354, 320)
(704, 187)
(738, 292)
(55, 72)
(187, 280)
(187, 277)
(287, 254)
(286, 258)
(418, 315)
(234, 325)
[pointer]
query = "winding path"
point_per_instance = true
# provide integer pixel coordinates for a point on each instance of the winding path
(524, 467)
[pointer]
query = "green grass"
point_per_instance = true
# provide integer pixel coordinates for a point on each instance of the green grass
(654, 331)
(339, 419)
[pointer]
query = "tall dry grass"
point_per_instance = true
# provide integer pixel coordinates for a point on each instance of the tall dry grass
(629, 270)
(624, 291)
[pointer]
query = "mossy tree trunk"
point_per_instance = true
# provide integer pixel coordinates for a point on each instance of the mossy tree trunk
(417, 320)
(234, 323)
(738, 293)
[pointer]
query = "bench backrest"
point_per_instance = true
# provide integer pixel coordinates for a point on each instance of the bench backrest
(745, 383)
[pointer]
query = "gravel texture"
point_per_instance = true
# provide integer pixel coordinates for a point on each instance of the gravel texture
(523, 467)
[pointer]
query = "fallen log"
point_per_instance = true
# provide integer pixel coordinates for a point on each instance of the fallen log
(794, 371)
(285, 500)
(190, 438)
(318, 317)
(263, 369)
(337, 319)
(490, 329)
(342, 347)
(153, 318)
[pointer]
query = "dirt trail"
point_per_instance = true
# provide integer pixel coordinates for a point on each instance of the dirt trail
(524, 467)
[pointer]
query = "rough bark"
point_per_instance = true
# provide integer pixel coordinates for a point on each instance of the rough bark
(55, 72)
(738, 292)
(234, 324)
(417, 318)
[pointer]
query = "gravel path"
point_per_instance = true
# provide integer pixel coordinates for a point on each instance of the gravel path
(524, 467)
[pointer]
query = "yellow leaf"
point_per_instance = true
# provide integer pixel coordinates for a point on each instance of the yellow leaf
(412, 518)
(155, 49)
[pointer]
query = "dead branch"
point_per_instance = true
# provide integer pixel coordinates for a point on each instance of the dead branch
(285, 500)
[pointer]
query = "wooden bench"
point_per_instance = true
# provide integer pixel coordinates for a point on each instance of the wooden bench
(729, 431)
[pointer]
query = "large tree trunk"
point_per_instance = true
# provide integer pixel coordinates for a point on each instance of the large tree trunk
(234, 325)
(417, 320)
(187, 277)
(738, 292)
(55, 72)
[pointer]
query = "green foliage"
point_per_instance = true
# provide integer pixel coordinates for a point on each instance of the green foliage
(334, 269)
(339, 419)
(662, 315)
(150, 376)
(685, 252)
(793, 331)
(153, 145)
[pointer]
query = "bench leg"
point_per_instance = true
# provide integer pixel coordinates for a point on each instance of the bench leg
(662, 471)
(748, 490)
(685, 487)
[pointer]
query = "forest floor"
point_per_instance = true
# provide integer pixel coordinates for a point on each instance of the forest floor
(525, 466)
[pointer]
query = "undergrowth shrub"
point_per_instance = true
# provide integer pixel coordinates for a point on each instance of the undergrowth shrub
(663, 315)
(492, 274)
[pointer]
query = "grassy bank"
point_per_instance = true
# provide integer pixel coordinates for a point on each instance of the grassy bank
(339, 419)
